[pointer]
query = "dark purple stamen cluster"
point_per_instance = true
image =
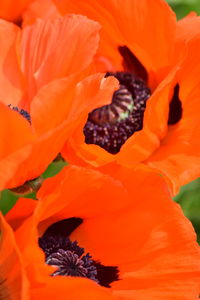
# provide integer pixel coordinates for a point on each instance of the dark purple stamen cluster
(69, 258)
(22, 112)
(111, 125)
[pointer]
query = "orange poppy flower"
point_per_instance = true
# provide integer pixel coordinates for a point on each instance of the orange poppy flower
(12, 10)
(153, 116)
(37, 104)
(139, 248)
(14, 282)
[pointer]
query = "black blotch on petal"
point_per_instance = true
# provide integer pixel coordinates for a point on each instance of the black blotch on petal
(69, 257)
(132, 64)
(106, 274)
(175, 107)
(64, 227)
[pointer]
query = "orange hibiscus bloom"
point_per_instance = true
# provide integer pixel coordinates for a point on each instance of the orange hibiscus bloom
(12, 9)
(139, 248)
(153, 115)
(37, 106)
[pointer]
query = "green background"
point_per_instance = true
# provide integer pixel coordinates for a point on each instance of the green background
(183, 7)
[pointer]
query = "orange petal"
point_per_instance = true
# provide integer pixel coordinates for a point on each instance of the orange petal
(28, 158)
(13, 281)
(71, 288)
(27, 235)
(178, 156)
(52, 105)
(110, 188)
(132, 23)
(31, 160)
(188, 27)
(43, 58)
(20, 211)
(15, 126)
(12, 10)
(10, 74)
(139, 146)
(44, 9)
(143, 235)
(92, 92)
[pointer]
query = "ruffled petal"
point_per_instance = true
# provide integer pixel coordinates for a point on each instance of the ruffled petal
(31, 160)
(158, 259)
(13, 282)
(44, 9)
(139, 146)
(43, 58)
(56, 99)
(12, 11)
(178, 156)
(71, 288)
(15, 131)
(11, 81)
(52, 104)
(148, 28)
(146, 235)
(21, 210)
(92, 92)
(188, 28)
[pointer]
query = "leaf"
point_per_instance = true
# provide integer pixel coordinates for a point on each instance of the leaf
(9, 198)
(189, 199)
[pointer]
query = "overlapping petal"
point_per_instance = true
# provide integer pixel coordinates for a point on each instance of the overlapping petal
(42, 79)
(131, 23)
(163, 47)
(12, 11)
(139, 230)
(13, 281)
(178, 154)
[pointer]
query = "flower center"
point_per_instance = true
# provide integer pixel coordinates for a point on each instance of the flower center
(111, 125)
(69, 257)
(22, 112)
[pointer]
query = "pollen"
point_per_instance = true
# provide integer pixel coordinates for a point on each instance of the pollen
(111, 125)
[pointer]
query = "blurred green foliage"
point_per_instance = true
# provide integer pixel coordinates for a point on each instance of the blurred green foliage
(54, 168)
(8, 198)
(183, 7)
(189, 199)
